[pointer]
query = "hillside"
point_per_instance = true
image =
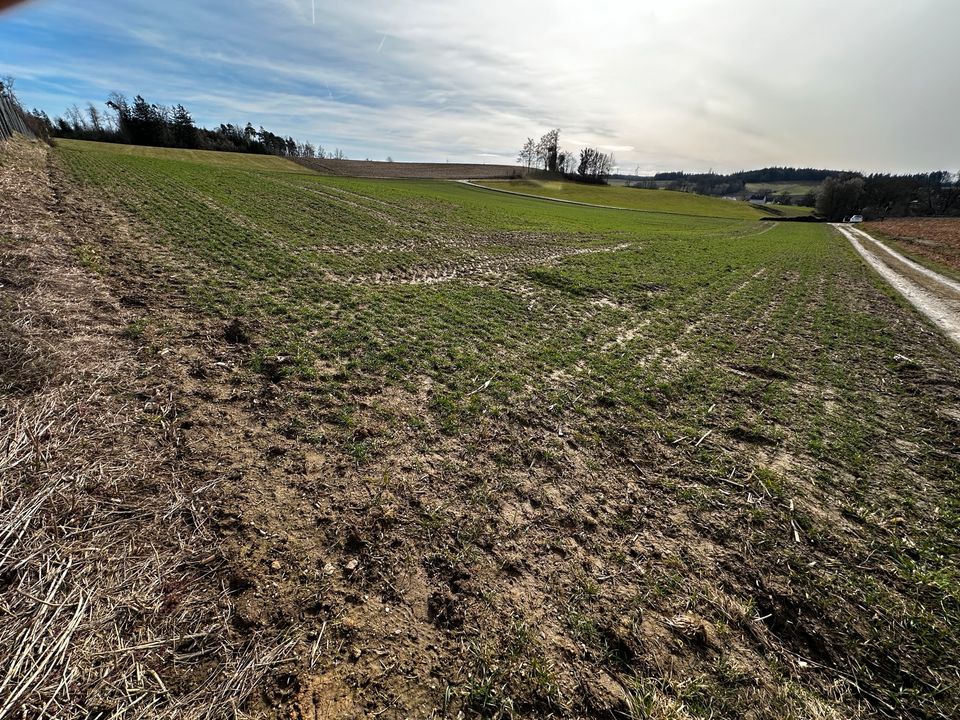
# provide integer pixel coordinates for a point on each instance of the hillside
(206, 158)
(776, 188)
(661, 201)
(436, 171)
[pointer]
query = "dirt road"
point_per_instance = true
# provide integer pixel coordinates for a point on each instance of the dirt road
(933, 294)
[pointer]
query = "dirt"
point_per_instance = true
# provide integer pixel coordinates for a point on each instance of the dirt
(139, 577)
(480, 268)
(935, 238)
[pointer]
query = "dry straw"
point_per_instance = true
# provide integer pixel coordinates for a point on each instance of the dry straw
(112, 597)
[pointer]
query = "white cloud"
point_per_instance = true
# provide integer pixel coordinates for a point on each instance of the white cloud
(690, 83)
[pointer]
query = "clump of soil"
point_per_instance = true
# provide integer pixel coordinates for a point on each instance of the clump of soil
(236, 333)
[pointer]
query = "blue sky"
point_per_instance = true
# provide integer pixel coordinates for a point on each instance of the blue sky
(692, 84)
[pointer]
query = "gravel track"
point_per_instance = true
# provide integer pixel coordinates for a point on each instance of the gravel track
(933, 294)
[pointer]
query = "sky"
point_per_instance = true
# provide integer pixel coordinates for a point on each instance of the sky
(871, 85)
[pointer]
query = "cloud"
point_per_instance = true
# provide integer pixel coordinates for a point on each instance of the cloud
(691, 84)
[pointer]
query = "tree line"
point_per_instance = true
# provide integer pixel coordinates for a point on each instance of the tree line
(590, 165)
(763, 175)
(139, 122)
(711, 183)
(881, 195)
(32, 123)
(839, 195)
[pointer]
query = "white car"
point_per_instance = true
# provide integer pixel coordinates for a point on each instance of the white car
(856, 218)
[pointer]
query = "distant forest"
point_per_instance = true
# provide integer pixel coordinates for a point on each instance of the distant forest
(880, 195)
(764, 175)
(839, 193)
(139, 122)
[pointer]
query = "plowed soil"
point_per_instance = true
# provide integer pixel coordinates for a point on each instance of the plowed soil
(937, 239)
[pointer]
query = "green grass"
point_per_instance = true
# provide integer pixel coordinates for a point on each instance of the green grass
(665, 201)
(791, 188)
(775, 211)
(690, 406)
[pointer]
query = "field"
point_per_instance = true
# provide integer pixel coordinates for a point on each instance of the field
(206, 158)
(935, 241)
(325, 166)
(791, 188)
(664, 201)
(435, 171)
(455, 451)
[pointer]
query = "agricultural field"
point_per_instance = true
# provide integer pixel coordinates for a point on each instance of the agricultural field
(206, 158)
(791, 188)
(434, 171)
(786, 211)
(933, 241)
(661, 201)
(458, 453)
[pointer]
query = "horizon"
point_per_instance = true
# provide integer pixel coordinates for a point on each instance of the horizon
(690, 87)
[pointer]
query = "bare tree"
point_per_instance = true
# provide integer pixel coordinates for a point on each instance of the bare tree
(96, 118)
(75, 117)
(607, 165)
(838, 198)
(6, 87)
(547, 149)
(528, 153)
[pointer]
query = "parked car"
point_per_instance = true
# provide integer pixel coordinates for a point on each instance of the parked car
(856, 218)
